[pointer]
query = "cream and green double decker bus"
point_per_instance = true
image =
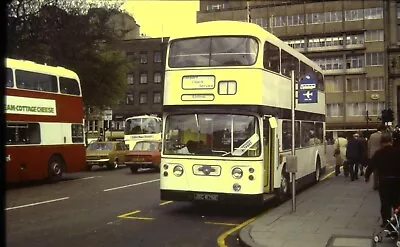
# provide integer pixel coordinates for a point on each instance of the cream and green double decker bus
(227, 116)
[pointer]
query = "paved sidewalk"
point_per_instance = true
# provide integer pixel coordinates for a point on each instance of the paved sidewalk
(335, 212)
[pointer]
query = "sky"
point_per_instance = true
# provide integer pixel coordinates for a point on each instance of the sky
(162, 17)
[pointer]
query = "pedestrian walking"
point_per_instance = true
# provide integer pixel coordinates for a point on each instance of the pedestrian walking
(386, 162)
(374, 144)
(340, 145)
(364, 154)
(353, 155)
(396, 136)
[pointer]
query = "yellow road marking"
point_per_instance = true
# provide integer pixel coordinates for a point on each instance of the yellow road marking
(128, 216)
(327, 175)
(221, 223)
(224, 235)
(165, 203)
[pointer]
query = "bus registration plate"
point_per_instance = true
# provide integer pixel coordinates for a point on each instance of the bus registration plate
(205, 197)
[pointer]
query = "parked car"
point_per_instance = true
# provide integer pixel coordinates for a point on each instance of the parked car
(145, 154)
(110, 154)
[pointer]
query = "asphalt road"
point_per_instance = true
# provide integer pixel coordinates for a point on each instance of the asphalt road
(114, 208)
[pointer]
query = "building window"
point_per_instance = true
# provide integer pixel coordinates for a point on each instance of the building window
(129, 98)
(375, 84)
(355, 84)
(278, 21)
(330, 63)
(355, 62)
(143, 57)
(375, 108)
(216, 6)
(131, 79)
(143, 78)
(373, 13)
(262, 22)
(157, 57)
(355, 109)
(325, 42)
(333, 17)
(355, 39)
(130, 56)
(374, 59)
(398, 10)
(143, 98)
(334, 84)
(296, 44)
(157, 78)
(354, 15)
(157, 98)
(334, 110)
(374, 35)
(295, 20)
(315, 18)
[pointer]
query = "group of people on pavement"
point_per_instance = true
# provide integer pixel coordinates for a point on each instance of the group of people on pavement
(380, 154)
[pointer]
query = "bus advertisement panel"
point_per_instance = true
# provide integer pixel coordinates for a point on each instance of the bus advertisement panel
(44, 122)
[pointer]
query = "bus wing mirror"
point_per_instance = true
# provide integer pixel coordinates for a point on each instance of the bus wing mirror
(272, 122)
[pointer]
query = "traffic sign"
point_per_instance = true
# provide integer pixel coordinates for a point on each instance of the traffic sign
(308, 92)
(308, 96)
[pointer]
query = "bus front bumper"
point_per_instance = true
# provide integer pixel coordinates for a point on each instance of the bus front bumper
(226, 198)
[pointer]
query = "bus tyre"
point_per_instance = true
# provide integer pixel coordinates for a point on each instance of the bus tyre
(318, 171)
(56, 169)
(134, 169)
(284, 189)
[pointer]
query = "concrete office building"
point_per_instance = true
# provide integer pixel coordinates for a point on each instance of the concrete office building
(352, 41)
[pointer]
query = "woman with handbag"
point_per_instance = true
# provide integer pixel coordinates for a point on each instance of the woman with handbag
(340, 154)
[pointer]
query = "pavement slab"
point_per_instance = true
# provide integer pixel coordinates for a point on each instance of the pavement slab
(333, 213)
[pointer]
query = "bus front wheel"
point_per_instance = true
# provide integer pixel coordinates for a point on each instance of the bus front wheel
(284, 189)
(56, 169)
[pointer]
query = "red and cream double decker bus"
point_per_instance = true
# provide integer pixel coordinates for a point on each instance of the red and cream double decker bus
(44, 122)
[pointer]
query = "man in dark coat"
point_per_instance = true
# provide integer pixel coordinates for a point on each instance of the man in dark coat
(386, 162)
(354, 154)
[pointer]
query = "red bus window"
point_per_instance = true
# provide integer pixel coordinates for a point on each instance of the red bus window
(77, 133)
(22, 133)
(36, 81)
(69, 86)
(9, 78)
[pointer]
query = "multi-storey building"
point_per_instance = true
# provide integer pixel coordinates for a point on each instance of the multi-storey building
(348, 39)
(145, 81)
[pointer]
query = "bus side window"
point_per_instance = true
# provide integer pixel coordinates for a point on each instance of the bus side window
(26, 133)
(271, 57)
(9, 78)
(69, 86)
(289, 63)
(36, 81)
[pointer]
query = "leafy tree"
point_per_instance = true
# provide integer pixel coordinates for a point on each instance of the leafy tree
(74, 34)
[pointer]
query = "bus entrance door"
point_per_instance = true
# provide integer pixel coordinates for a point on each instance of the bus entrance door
(269, 152)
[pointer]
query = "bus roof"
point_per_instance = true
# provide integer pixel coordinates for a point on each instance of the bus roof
(239, 28)
(41, 68)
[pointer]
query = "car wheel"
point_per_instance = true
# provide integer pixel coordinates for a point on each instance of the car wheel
(134, 169)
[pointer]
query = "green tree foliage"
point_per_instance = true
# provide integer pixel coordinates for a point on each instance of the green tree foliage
(74, 34)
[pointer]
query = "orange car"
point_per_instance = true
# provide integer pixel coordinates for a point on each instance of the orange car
(145, 154)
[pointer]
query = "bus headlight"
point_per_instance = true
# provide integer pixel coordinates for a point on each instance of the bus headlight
(178, 170)
(237, 173)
